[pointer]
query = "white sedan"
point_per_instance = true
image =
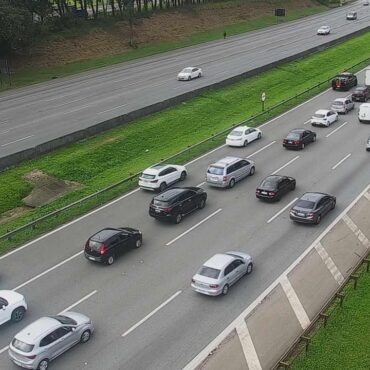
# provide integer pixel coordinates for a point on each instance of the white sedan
(243, 135)
(12, 306)
(189, 73)
(324, 117)
(160, 176)
(323, 30)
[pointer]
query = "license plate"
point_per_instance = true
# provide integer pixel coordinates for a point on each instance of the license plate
(264, 192)
(214, 179)
(92, 258)
(300, 214)
(290, 142)
(158, 211)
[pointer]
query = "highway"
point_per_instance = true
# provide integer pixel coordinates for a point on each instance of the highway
(40, 113)
(145, 313)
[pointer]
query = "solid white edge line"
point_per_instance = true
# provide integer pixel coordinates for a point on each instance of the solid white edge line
(281, 211)
(203, 354)
(305, 123)
(194, 227)
(338, 128)
(87, 296)
(127, 332)
(285, 165)
(341, 161)
(199, 185)
(16, 141)
(4, 349)
(47, 271)
(260, 150)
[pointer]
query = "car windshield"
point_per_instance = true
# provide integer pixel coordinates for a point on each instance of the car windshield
(186, 70)
(213, 170)
(292, 136)
(147, 176)
(268, 184)
(319, 115)
(24, 347)
(236, 133)
(209, 272)
(337, 103)
(64, 320)
(305, 204)
(94, 245)
(160, 203)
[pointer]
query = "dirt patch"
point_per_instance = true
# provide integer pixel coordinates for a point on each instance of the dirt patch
(171, 25)
(46, 188)
(12, 214)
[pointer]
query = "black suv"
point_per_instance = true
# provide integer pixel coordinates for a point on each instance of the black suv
(107, 244)
(361, 93)
(175, 203)
(298, 138)
(344, 81)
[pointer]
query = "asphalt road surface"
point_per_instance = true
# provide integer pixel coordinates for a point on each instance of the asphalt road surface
(43, 112)
(145, 313)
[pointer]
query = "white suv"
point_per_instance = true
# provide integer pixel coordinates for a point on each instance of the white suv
(160, 176)
(12, 306)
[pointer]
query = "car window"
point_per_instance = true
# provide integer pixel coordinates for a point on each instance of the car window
(147, 176)
(237, 263)
(3, 302)
(123, 236)
(230, 169)
(185, 195)
(305, 204)
(247, 131)
(50, 338)
(209, 272)
(237, 165)
(293, 136)
(229, 268)
(236, 133)
(244, 163)
(24, 347)
(164, 172)
(195, 69)
(171, 170)
(61, 332)
(214, 170)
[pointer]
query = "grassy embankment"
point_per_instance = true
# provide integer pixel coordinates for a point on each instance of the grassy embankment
(105, 159)
(28, 77)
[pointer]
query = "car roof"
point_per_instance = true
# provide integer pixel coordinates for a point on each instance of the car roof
(240, 128)
(345, 74)
(312, 197)
(341, 99)
(105, 234)
(226, 161)
(219, 261)
(322, 111)
(31, 333)
(275, 177)
(153, 170)
(298, 130)
(365, 105)
(171, 193)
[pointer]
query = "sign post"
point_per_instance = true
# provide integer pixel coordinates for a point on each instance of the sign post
(279, 12)
(263, 98)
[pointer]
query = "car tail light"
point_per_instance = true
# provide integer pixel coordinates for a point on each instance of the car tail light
(224, 178)
(272, 193)
(310, 215)
(154, 181)
(103, 249)
(213, 286)
(285, 141)
(297, 142)
(168, 209)
(257, 191)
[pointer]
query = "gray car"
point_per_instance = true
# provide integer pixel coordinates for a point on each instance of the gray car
(220, 272)
(229, 170)
(48, 337)
(368, 144)
(342, 105)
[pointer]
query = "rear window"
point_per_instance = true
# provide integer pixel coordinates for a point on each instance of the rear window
(94, 245)
(213, 170)
(293, 136)
(236, 133)
(24, 347)
(268, 184)
(209, 272)
(305, 204)
(319, 115)
(160, 203)
(147, 176)
(338, 103)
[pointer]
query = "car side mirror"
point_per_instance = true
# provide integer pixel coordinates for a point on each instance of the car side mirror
(73, 328)
(3, 307)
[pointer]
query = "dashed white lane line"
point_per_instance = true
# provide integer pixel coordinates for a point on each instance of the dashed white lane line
(305, 123)
(285, 165)
(194, 227)
(281, 211)
(4, 132)
(337, 275)
(4, 349)
(87, 296)
(260, 150)
(16, 141)
(341, 161)
(338, 128)
(201, 184)
(127, 332)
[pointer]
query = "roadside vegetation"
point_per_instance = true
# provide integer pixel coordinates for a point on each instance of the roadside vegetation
(100, 161)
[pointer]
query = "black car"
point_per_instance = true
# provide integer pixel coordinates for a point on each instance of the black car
(299, 138)
(275, 186)
(109, 243)
(311, 207)
(344, 81)
(361, 93)
(175, 203)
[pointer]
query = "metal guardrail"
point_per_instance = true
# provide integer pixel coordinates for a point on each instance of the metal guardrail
(251, 120)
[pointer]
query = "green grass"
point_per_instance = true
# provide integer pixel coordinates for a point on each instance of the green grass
(116, 154)
(344, 343)
(32, 76)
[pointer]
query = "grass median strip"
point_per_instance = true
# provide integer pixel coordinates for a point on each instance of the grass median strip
(98, 162)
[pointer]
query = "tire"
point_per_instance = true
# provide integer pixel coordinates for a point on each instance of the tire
(346, 111)
(249, 269)
(183, 176)
(231, 183)
(18, 314)
(333, 205)
(202, 203)
(318, 219)
(252, 171)
(85, 336)
(245, 143)
(43, 364)
(225, 289)
(293, 187)
(356, 82)
(162, 187)
(110, 260)
(314, 139)
(178, 218)
(259, 135)
(302, 146)
(138, 243)
(200, 75)
(189, 78)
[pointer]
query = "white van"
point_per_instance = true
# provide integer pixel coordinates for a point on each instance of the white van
(364, 113)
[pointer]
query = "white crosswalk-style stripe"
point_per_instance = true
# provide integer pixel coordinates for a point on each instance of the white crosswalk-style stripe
(359, 234)
(329, 263)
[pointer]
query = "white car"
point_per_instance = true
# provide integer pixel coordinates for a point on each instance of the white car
(160, 176)
(13, 306)
(243, 135)
(324, 117)
(323, 30)
(189, 73)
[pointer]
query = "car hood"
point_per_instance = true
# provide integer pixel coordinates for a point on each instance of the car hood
(11, 297)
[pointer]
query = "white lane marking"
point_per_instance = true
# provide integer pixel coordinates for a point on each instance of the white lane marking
(194, 227)
(249, 350)
(16, 141)
(367, 196)
(197, 360)
(87, 296)
(4, 132)
(281, 211)
(356, 230)
(199, 185)
(260, 150)
(305, 123)
(332, 267)
(108, 110)
(296, 304)
(127, 332)
(341, 161)
(206, 154)
(47, 271)
(285, 165)
(4, 349)
(338, 128)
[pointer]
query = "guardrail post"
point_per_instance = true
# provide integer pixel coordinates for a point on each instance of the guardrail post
(325, 317)
(307, 341)
(341, 297)
(367, 261)
(9, 237)
(284, 364)
(354, 278)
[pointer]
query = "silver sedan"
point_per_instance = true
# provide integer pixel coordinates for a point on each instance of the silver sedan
(220, 272)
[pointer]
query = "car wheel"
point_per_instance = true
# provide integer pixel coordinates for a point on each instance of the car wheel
(110, 260)
(200, 75)
(245, 143)
(183, 176)
(318, 219)
(356, 82)
(345, 111)
(302, 146)
(162, 187)
(231, 183)
(252, 171)
(85, 336)
(18, 314)
(333, 205)
(225, 289)
(259, 135)
(138, 243)
(189, 78)
(43, 364)
(249, 268)
(293, 186)
(178, 218)
(202, 204)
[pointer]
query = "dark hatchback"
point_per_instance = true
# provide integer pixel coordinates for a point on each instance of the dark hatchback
(175, 203)
(344, 81)
(109, 243)
(299, 138)
(361, 93)
(311, 207)
(273, 187)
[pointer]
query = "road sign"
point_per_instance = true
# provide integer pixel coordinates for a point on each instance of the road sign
(279, 12)
(263, 96)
